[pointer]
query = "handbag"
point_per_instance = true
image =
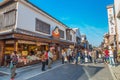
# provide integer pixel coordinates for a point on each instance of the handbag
(78, 58)
(11, 65)
(65, 59)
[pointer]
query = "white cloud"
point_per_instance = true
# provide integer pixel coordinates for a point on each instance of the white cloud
(64, 18)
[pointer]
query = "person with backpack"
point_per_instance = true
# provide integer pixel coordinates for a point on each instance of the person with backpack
(14, 61)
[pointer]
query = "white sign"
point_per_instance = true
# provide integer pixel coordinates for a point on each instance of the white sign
(10, 42)
(111, 20)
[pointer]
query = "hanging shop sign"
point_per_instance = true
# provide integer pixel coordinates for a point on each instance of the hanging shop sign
(10, 42)
(8, 52)
(111, 20)
(26, 42)
(9, 48)
(56, 33)
(39, 43)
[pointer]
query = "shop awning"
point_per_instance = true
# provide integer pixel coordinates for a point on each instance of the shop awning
(31, 38)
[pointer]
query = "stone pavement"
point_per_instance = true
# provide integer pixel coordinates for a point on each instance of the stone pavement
(87, 71)
(115, 71)
(26, 72)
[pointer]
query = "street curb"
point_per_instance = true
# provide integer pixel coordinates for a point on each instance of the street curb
(111, 71)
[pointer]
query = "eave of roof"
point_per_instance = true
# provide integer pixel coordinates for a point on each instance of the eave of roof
(110, 6)
(6, 2)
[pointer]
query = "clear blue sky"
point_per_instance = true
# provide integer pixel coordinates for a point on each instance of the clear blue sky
(90, 16)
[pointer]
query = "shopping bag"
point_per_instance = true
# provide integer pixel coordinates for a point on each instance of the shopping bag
(65, 59)
(86, 59)
(74, 61)
(11, 65)
(78, 59)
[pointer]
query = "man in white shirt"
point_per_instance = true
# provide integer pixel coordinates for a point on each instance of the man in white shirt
(50, 57)
(111, 57)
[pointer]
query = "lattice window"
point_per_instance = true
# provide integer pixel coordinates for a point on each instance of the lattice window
(61, 33)
(42, 26)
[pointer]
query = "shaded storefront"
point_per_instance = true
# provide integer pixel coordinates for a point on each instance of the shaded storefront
(29, 46)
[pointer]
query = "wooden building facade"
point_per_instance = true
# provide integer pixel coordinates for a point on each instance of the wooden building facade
(24, 28)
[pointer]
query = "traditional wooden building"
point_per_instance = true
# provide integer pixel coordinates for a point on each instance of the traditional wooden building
(116, 8)
(24, 28)
(78, 37)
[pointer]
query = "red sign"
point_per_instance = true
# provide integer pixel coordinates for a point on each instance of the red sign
(55, 32)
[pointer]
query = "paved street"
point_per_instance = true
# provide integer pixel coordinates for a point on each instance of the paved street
(62, 72)
(115, 71)
(76, 72)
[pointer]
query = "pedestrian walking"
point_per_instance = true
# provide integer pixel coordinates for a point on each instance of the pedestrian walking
(46, 56)
(14, 61)
(43, 59)
(74, 56)
(86, 56)
(94, 56)
(103, 57)
(77, 57)
(90, 56)
(68, 54)
(63, 54)
(82, 57)
(71, 56)
(115, 56)
(111, 57)
(50, 57)
(106, 52)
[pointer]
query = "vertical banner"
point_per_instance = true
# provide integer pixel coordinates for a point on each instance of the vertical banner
(111, 20)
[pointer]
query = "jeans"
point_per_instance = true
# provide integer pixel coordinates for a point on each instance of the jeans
(62, 59)
(70, 59)
(43, 66)
(76, 60)
(112, 62)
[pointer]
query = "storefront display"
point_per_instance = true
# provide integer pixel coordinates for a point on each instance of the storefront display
(28, 52)
(24, 53)
(9, 46)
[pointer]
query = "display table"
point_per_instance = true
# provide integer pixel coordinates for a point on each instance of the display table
(21, 64)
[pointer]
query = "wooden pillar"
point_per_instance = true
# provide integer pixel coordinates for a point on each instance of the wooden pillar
(16, 45)
(2, 44)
